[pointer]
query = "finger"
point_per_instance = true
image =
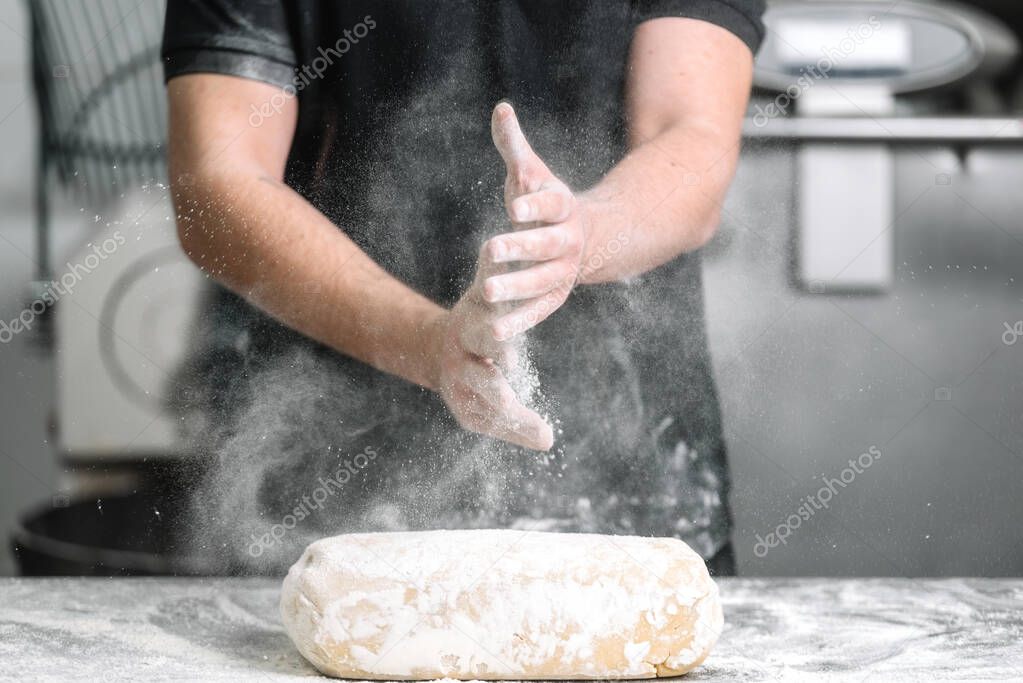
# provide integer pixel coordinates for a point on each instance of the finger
(511, 143)
(550, 205)
(481, 345)
(519, 158)
(509, 420)
(530, 282)
(486, 264)
(489, 406)
(526, 428)
(529, 431)
(537, 244)
(504, 356)
(473, 414)
(484, 381)
(488, 384)
(529, 315)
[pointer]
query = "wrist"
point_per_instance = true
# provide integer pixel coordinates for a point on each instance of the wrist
(433, 339)
(610, 242)
(588, 208)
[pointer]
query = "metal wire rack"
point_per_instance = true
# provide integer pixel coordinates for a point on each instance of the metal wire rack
(98, 86)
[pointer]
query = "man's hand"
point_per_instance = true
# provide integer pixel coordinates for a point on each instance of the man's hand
(550, 239)
(476, 338)
(471, 367)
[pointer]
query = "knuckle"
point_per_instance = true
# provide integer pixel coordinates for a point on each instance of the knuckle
(515, 326)
(574, 241)
(491, 289)
(529, 209)
(487, 249)
(555, 239)
(563, 202)
(542, 207)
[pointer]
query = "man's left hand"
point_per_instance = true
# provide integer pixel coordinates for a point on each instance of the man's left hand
(550, 238)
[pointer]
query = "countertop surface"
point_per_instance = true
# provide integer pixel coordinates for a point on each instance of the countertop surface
(776, 629)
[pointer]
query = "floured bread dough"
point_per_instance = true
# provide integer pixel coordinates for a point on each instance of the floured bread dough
(500, 604)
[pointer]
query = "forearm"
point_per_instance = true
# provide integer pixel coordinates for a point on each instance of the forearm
(268, 244)
(661, 200)
(686, 94)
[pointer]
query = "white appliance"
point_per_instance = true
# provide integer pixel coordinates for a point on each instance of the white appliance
(121, 329)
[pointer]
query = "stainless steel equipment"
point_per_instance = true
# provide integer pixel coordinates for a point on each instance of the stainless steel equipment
(838, 68)
(918, 359)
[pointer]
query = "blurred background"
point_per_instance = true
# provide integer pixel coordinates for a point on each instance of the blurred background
(864, 293)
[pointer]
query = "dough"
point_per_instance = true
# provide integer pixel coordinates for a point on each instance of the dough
(500, 604)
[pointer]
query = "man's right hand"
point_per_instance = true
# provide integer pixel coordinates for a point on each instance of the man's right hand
(471, 367)
(241, 224)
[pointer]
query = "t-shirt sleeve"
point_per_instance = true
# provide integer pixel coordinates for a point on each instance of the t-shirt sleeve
(744, 18)
(247, 38)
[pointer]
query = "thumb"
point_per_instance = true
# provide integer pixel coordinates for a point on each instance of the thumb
(518, 155)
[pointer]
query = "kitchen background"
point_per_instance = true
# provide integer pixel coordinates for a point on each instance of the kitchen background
(864, 293)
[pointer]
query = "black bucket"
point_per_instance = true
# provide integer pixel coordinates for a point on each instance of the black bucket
(136, 534)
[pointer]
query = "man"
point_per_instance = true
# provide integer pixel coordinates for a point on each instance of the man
(333, 165)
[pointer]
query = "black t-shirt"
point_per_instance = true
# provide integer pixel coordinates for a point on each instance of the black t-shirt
(393, 145)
